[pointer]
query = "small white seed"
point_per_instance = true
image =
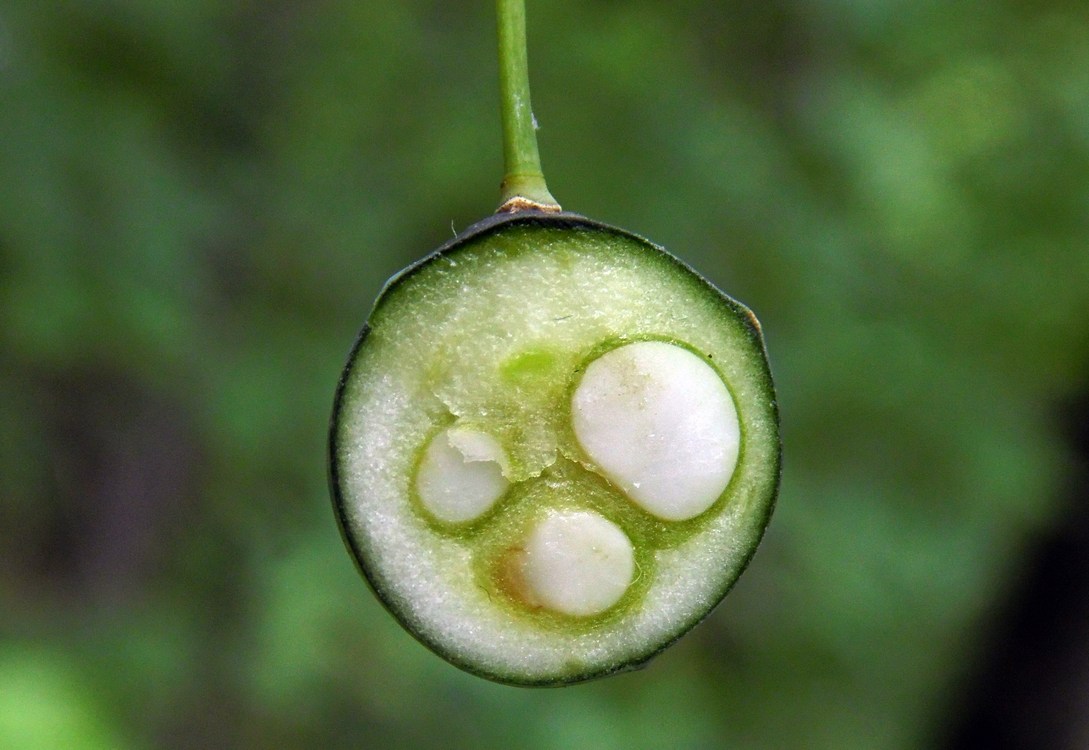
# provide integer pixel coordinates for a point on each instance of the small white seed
(461, 475)
(576, 563)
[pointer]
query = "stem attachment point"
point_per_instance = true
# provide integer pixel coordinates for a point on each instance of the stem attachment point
(523, 186)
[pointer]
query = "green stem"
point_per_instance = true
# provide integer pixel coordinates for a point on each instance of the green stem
(523, 184)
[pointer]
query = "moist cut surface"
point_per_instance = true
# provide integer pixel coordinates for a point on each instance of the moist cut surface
(554, 449)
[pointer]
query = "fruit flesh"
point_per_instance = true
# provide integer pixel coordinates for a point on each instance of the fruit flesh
(493, 335)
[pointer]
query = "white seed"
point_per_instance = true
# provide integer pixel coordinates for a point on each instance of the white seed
(461, 474)
(576, 563)
(658, 421)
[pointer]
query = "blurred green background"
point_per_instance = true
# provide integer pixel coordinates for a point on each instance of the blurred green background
(200, 200)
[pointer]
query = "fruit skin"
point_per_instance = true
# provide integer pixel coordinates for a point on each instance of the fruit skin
(551, 220)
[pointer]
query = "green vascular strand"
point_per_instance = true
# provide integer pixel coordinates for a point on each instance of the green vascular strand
(522, 162)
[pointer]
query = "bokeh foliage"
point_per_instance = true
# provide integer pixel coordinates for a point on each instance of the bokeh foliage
(201, 199)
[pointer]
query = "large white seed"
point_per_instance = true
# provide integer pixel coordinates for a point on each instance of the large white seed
(658, 421)
(576, 563)
(461, 474)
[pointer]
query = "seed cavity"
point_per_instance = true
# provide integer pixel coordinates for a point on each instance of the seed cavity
(461, 475)
(573, 562)
(658, 422)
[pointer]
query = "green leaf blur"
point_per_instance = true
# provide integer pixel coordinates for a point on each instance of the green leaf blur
(199, 202)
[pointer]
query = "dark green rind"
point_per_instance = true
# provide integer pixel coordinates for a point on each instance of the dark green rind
(572, 222)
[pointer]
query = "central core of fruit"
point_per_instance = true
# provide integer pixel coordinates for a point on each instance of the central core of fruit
(652, 418)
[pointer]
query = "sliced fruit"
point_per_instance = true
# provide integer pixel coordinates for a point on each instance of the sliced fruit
(553, 449)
